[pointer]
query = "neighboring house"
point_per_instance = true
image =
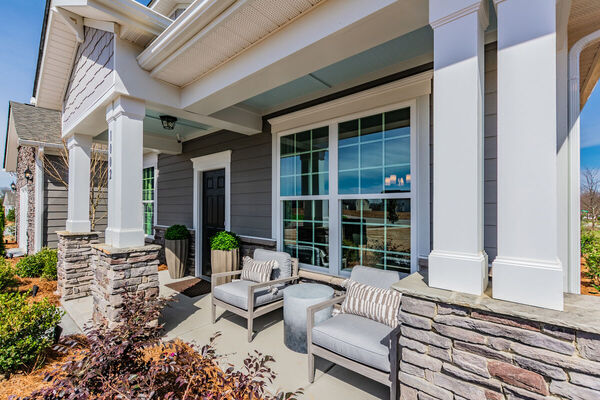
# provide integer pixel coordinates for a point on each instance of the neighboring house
(33, 139)
(392, 134)
(9, 202)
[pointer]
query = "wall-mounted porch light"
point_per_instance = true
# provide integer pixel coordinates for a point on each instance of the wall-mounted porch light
(13, 186)
(28, 175)
(168, 122)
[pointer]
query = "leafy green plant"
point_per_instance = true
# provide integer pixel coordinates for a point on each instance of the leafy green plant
(43, 263)
(590, 250)
(2, 226)
(10, 215)
(8, 276)
(225, 240)
(177, 232)
(26, 331)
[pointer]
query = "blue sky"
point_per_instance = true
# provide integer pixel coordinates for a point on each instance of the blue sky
(19, 42)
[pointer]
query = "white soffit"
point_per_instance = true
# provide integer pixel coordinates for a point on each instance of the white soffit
(584, 19)
(55, 68)
(166, 7)
(218, 39)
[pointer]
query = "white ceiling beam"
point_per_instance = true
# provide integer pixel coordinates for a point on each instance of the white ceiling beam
(301, 48)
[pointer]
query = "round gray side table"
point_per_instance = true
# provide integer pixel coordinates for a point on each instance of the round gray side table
(296, 300)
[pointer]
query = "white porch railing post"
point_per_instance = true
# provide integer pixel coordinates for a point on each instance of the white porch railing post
(527, 269)
(125, 117)
(78, 212)
(458, 261)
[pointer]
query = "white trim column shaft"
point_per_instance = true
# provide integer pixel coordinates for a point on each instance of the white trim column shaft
(125, 117)
(527, 269)
(80, 147)
(458, 261)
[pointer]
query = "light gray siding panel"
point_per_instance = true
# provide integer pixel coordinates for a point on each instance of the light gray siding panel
(92, 75)
(250, 181)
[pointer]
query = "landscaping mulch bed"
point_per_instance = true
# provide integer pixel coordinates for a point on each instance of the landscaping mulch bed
(46, 289)
(23, 384)
(586, 283)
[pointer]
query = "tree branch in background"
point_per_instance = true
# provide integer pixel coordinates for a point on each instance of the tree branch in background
(590, 195)
(57, 168)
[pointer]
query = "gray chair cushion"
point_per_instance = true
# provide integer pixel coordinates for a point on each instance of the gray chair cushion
(284, 260)
(236, 294)
(374, 277)
(357, 338)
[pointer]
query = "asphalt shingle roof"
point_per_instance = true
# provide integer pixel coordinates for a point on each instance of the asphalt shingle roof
(36, 123)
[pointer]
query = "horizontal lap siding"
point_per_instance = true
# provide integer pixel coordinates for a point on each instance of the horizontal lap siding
(250, 181)
(490, 153)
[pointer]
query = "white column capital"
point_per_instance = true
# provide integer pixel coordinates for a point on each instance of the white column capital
(442, 12)
(79, 140)
(127, 106)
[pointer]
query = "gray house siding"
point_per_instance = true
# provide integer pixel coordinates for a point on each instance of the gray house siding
(490, 237)
(250, 181)
(55, 207)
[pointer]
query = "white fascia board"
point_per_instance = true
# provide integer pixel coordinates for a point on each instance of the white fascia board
(193, 19)
(333, 31)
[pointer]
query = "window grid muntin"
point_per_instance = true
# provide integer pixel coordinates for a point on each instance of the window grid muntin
(314, 244)
(148, 199)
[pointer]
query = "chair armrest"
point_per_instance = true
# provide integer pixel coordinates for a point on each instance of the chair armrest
(260, 285)
(214, 277)
(310, 315)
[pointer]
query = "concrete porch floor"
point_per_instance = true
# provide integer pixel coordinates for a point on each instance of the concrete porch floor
(189, 320)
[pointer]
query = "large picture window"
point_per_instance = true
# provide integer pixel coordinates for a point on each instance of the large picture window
(353, 208)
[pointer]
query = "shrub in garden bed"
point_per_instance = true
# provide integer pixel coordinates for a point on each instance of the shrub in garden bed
(26, 331)
(41, 264)
(8, 276)
(129, 362)
(590, 250)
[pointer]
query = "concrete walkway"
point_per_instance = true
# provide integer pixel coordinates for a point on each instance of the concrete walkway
(189, 319)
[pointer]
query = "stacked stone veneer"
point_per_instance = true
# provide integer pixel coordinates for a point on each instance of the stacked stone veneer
(457, 352)
(73, 269)
(117, 271)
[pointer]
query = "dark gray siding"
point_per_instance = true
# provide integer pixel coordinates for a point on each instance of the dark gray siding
(55, 206)
(490, 238)
(250, 181)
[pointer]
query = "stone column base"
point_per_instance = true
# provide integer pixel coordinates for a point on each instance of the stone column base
(121, 270)
(73, 268)
(460, 346)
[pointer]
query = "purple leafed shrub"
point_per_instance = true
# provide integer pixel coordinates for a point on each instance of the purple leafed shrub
(130, 362)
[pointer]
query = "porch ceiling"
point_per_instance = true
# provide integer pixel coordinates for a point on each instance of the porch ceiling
(583, 20)
(218, 39)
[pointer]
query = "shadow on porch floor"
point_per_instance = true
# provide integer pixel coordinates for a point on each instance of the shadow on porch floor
(189, 320)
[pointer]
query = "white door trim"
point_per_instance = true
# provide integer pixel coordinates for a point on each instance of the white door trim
(201, 164)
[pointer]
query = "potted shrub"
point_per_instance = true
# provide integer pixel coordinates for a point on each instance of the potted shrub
(224, 254)
(176, 250)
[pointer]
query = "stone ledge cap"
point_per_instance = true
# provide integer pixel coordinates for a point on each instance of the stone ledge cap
(67, 233)
(580, 312)
(108, 249)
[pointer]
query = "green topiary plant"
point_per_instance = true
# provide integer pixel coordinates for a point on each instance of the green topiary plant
(225, 240)
(177, 232)
(26, 330)
(8, 276)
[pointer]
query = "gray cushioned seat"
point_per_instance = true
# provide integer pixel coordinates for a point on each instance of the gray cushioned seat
(284, 262)
(236, 294)
(357, 338)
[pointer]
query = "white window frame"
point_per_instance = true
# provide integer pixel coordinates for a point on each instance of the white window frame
(413, 92)
(208, 163)
(151, 161)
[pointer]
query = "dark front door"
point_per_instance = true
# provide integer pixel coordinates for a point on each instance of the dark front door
(213, 212)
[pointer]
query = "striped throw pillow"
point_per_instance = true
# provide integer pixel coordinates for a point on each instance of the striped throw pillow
(381, 305)
(257, 271)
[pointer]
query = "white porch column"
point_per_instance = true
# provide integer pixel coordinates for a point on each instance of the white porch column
(527, 269)
(125, 117)
(78, 215)
(458, 261)
(39, 198)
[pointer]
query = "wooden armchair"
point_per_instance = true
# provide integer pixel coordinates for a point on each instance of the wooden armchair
(250, 299)
(357, 343)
